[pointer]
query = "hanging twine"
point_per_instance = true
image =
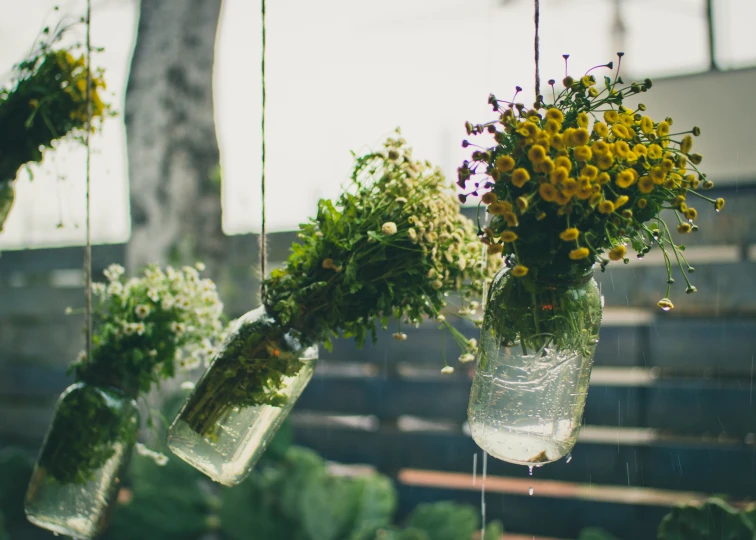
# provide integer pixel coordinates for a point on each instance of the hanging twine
(88, 248)
(263, 229)
(537, 20)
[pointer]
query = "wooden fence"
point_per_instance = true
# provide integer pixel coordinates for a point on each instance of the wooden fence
(670, 415)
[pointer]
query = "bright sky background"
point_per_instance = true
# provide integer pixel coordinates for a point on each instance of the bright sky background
(341, 75)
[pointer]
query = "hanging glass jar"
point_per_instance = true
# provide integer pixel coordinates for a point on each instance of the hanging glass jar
(240, 402)
(537, 343)
(85, 453)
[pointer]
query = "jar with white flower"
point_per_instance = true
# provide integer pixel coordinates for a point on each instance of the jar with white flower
(142, 334)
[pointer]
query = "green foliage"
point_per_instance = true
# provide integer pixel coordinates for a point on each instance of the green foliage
(594, 533)
(88, 422)
(445, 520)
(714, 520)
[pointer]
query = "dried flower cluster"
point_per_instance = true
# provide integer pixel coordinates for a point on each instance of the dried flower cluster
(45, 102)
(572, 183)
(147, 326)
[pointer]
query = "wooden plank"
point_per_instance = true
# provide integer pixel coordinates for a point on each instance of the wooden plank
(30, 261)
(674, 465)
(39, 300)
(52, 340)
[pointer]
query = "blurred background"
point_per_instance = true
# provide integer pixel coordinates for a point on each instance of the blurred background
(670, 416)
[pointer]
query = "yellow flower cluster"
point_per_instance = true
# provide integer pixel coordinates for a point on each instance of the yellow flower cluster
(573, 182)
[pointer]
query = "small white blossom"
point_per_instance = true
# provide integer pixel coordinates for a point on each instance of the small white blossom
(115, 288)
(142, 311)
(388, 228)
(467, 357)
(139, 328)
(98, 289)
(441, 318)
(153, 353)
(472, 344)
(200, 266)
(113, 272)
(68, 310)
(187, 385)
(399, 336)
(153, 295)
(446, 370)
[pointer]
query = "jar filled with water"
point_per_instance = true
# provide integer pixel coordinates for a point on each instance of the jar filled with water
(537, 342)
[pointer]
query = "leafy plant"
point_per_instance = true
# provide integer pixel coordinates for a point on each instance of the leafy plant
(714, 519)
(572, 183)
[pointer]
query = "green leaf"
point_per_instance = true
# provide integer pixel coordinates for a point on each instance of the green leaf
(594, 533)
(714, 519)
(445, 520)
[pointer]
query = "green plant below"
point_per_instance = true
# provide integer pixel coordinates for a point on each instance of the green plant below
(712, 520)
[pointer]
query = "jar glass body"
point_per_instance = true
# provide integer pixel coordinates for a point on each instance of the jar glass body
(83, 457)
(243, 398)
(537, 343)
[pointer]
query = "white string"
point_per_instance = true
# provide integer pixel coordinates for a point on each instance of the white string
(88, 248)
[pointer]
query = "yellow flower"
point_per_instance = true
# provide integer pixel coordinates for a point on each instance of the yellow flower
(564, 162)
(667, 165)
(499, 208)
(606, 207)
(552, 127)
(584, 191)
(618, 130)
(595, 199)
(562, 198)
(617, 253)
(505, 163)
(684, 228)
(546, 166)
(522, 203)
(520, 271)
(508, 236)
(657, 174)
(696, 159)
(601, 129)
(583, 153)
(625, 179)
(589, 171)
(569, 235)
(645, 185)
(555, 114)
(557, 141)
(511, 219)
(640, 149)
(536, 154)
(677, 201)
(622, 149)
(662, 129)
(388, 228)
(489, 198)
(626, 119)
(527, 129)
(605, 161)
(582, 120)
(520, 176)
(666, 304)
(580, 137)
(621, 201)
(655, 151)
(569, 187)
(494, 249)
(691, 213)
(642, 202)
(647, 125)
(600, 147)
(631, 158)
(603, 178)
(587, 80)
(719, 204)
(559, 175)
(686, 145)
(543, 139)
(547, 192)
(579, 253)
(593, 92)
(611, 117)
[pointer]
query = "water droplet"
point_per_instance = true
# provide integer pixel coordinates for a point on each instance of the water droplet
(666, 308)
(530, 491)
(716, 210)
(569, 458)
(530, 470)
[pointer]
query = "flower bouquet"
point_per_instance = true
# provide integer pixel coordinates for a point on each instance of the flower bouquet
(145, 327)
(45, 102)
(394, 244)
(566, 185)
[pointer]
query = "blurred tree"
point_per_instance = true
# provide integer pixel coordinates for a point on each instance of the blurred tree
(172, 146)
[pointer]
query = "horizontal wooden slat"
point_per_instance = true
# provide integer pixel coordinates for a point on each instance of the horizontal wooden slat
(672, 465)
(35, 261)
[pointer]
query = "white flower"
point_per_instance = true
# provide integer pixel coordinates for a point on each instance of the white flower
(200, 266)
(81, 357)
(115, 288)
(388, 228)
(441, 318)
(472, 344)
(98, 289)
(447, 369)
(467, 357)
(142, 311)
(153, 353)
(139, 328)
(153, 295)
(167, 303)
(113, 272)
(462, 263)
(191, 363)
(399, 336)
(68, 310)
(187, 385)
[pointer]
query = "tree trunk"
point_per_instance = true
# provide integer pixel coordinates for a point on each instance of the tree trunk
(172, 147)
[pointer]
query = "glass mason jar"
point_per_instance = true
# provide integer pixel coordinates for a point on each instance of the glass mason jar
(537, 343)
(85, 452)
(243, 398)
